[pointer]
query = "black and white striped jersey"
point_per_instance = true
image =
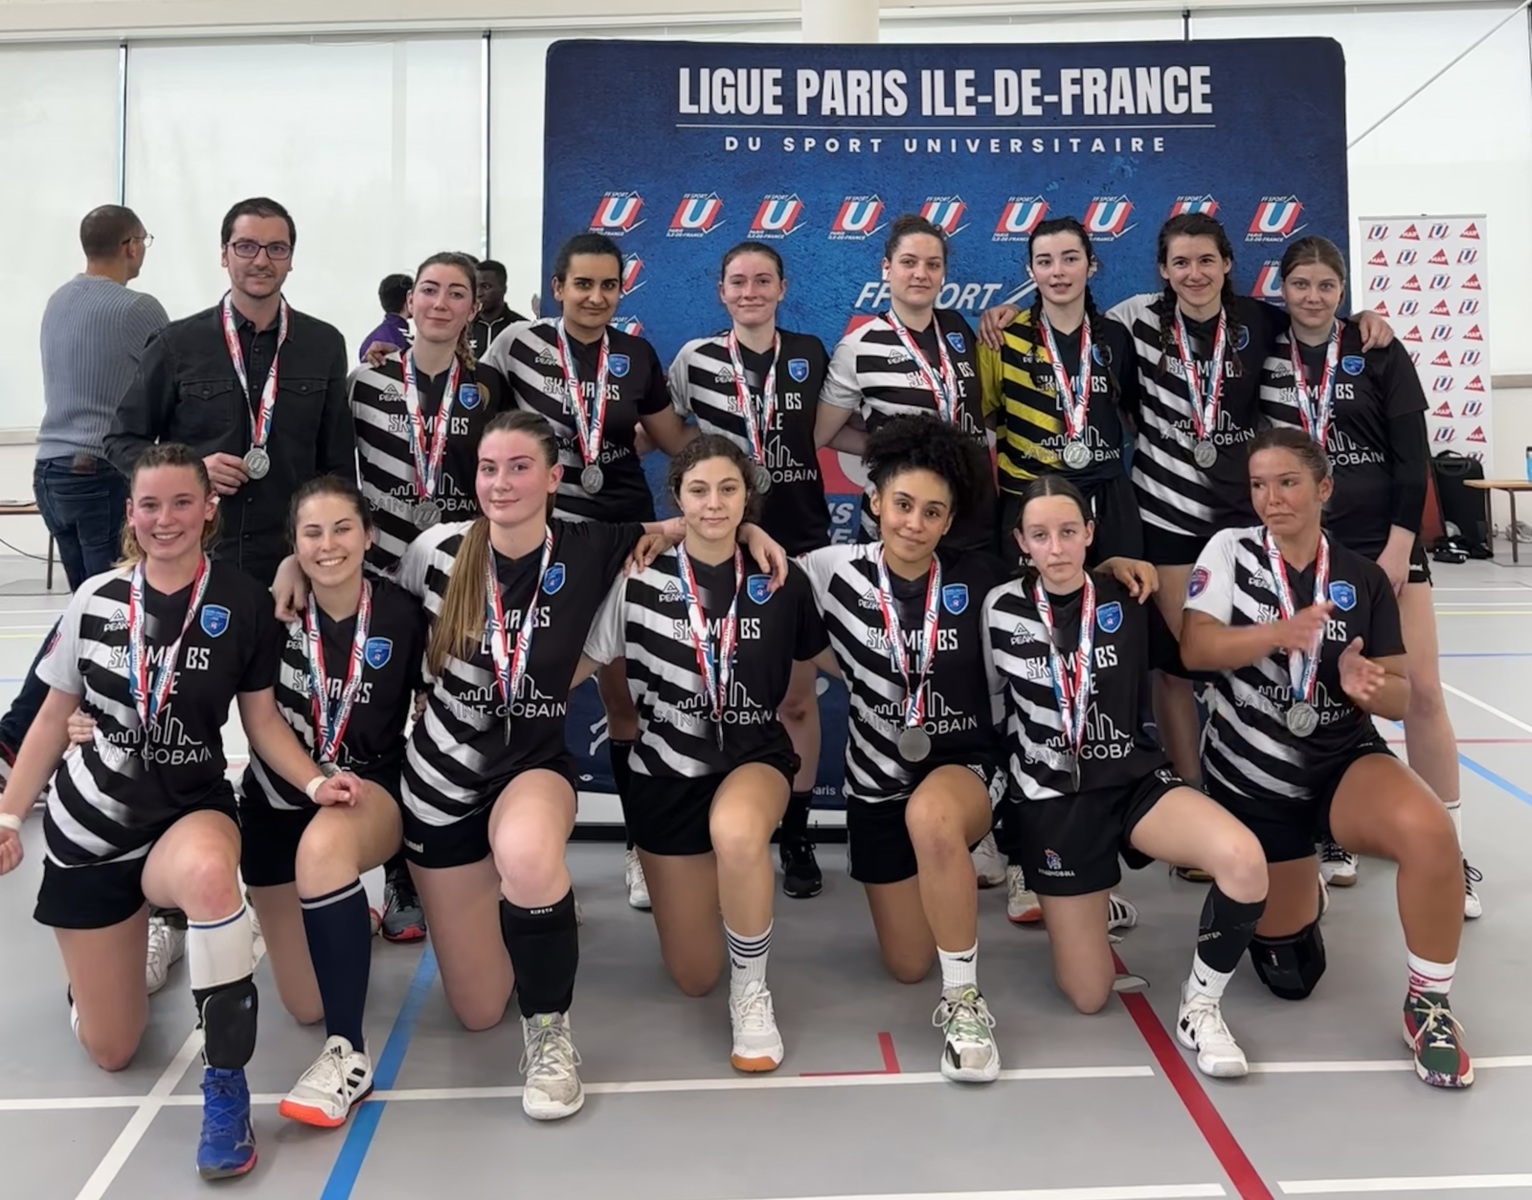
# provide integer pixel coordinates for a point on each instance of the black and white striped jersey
(373, 742)
(1174, 494)
(645, 620)
(960, 717)
(386, 462)
(702, 385)
(1247, 748)
(112, 796)
(459, 755)
(872, 373)
(1116, 752)
(527, 354)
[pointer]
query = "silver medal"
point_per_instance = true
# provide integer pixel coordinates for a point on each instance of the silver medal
(914, 745)
(329, 769)
(592, 479)
(1302, 719)
(1076, 455)
(762, 478)
(1205, 454)
(257, 462)
(426, 514)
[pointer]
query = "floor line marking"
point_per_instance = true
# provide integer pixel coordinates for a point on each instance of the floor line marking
(1199, 1106)
(1403, 1183)
(890, 1062)
(1510, 1061)
(1153, 1191)
(1487, 707)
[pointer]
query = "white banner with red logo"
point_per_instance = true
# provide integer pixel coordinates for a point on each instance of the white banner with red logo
(1427, 276)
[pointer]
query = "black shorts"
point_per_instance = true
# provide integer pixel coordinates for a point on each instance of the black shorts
(878, 846)
(100, 895)
(1070, 845)
(1166, 549)
(1288, 830)
(1114, 509)
(269, 836)
(668, 815)
(465, 840)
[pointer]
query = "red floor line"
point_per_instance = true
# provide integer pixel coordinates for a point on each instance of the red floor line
(885, 1048)
(1242, 1174)
(1521, 741)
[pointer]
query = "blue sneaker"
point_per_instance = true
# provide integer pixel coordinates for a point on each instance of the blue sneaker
(227, 1147)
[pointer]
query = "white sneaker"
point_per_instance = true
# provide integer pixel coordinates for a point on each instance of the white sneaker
(1473, 907)
(166, 946)
(1324, 896)
(989, 863)
(633, 874)
(757, 1044)
(553, 1086)
(1200, 1027)
(324, 1094)
(970, 1054)
(1336, 865)
(1021, 906)
(1121, 913)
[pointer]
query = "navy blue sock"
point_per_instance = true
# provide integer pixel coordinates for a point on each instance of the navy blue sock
(340, 945)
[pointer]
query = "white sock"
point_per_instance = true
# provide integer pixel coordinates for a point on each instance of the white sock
(960, 968)
(1204, 981)
(1428, 976)
(1455, 811)
(747, 958)
(219, 952)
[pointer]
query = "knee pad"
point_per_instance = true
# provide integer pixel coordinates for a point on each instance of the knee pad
(1290, 966)
(228, 1024)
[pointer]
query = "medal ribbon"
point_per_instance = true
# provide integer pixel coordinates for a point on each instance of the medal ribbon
(915, 699)
(1074, 395)
(755, 430)
(944, 386)
(715, 658)
(1071, 683)
(1303, 669)
(589, 423)
(330, 722)
(151, 688)
(1315, 408)
(260, 422)
(1205, 397)
(428, 465)
(511, 658)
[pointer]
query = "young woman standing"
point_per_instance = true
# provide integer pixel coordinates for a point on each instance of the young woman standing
(710, 655)
(155, 652)
(1368, 412)
(1304, 636)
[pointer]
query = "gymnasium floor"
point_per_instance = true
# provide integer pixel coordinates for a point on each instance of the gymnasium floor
(1089, 1108)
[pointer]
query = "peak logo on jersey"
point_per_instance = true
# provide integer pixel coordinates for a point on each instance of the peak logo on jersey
(1474, 408)
(468, 396)
(1106, 217)
(1410, 234)
(1470, 231)
(670, 593)
(955, 340)
(1268, 282)
(1197, 582)
(1469, 255)
(553, 579)
(1477, 435)
(798, 369)
(1412, 284)
(758, 588)
(1377, 233)
(697, 215)
(1472, 284)
(1408, 308)
(1468, 307)
(214, 619)
(1473, 335)
(859, 217)
(617, 213)
(1476, 384)
(1109, 617)
(1353, 364)
(1443, 383)
(1440, 283)
(1470, 358)
(1406, 257)
(1020, 216)
(1443, 410)
(1439, 259)
(1275, 219)
(946, 213)
(1194, 204)
(629, 325)
(377, 651)
(1444, 433)
(1379, 283)
(632, 265)
(1378, 260)
(955, 597)
(1343, 595)
(618, 365)
(777, 217)
(1241, 338)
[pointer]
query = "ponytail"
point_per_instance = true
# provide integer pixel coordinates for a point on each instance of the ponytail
(460, 623)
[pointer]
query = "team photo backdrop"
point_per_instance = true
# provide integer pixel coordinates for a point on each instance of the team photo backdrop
(816, 149)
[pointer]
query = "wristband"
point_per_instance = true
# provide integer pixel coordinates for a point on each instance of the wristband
(10, 821)
(313, 785)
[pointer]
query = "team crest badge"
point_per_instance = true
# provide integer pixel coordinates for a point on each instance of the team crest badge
(955, 597)
(1241, 339)
(214, 619)
(798, 369)
(468, 396)
(1109, 617)
(1102, 354)
(377, 652)
(1197, 583)
(1055, 863)
(617, 364)
(955, 340)
(1343, 595)
(1352, 364)
(758, 588)
(554, 579)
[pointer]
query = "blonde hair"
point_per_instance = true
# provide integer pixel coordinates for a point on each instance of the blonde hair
(168, 454)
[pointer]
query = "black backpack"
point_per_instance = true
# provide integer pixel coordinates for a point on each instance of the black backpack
(1461, 505)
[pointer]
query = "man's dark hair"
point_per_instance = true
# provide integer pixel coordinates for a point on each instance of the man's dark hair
(257, 206)
(393, 292)
(497, 269)
(104, 230)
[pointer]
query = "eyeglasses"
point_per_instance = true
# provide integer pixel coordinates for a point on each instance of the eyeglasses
(146, 238)
(276, 251)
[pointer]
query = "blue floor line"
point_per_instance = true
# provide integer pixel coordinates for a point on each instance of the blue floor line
(1505, 785)
(364, 1122)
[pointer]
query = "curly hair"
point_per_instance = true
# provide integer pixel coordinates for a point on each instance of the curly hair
(714, 445)
(927, 443)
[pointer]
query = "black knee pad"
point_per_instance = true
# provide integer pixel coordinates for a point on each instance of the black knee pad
(1290, 966)
(228, 1024)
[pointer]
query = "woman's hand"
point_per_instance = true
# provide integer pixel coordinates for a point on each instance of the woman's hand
(768, 555)
(290, 589)
(649, 548)
(81, 726)
(11, 852)
(343, 788)
(1140, 578)
(1301, 632)
(1360, 677)
(1376, 332)
(992, 323)
(378, 353)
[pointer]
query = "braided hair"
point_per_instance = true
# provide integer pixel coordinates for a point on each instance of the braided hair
(1093, 315)
(1194, 225)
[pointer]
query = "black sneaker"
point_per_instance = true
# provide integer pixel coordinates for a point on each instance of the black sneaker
(403, 918)
(801, 876)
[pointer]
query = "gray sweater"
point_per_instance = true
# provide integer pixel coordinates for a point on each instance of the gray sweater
(94, 332)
